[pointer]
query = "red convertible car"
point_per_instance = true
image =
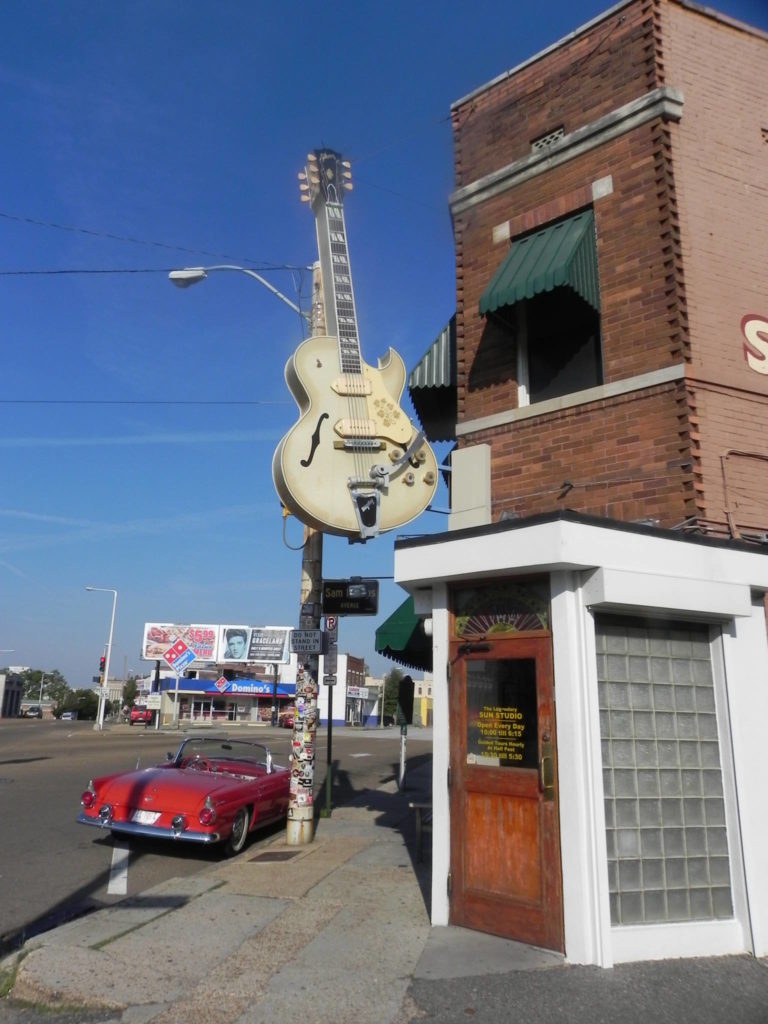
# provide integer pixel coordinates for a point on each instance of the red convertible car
(213, 790)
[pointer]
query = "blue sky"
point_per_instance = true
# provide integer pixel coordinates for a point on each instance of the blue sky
(137, 421)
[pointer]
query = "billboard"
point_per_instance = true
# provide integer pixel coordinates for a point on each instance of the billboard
(159, 636)
(212, 642)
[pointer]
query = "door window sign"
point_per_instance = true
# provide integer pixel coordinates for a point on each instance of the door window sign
(502, 729)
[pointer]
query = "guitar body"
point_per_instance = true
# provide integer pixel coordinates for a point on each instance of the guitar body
(349, 425)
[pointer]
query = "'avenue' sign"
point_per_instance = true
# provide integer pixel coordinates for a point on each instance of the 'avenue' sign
(350, 597)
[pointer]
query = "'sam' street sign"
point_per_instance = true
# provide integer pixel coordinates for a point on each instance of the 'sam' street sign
(350, 597)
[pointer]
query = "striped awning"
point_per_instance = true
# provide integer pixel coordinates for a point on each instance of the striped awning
(401, 637)
(560, 255)
(437, 367)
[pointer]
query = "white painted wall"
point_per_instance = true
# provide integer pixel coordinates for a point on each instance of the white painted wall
(595, 567)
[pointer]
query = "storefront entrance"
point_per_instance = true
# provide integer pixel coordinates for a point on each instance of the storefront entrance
(505, 846)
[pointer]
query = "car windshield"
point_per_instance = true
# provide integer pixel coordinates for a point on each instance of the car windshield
(223, 749)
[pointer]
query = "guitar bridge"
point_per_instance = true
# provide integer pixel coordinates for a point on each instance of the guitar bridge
(359, 444)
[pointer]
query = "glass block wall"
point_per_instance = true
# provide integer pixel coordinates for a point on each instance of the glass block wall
(664, 807)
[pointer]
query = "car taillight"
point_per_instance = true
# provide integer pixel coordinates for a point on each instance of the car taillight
(88, 799)
(207, 815)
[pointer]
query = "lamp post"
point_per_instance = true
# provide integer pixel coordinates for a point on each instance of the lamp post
(191, 275)
(103, 688)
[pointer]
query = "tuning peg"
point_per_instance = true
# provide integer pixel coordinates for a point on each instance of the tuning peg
(302, 176)
(348, 186)
(311, 159)
(304, 197)
(303, 187)
(346, 163)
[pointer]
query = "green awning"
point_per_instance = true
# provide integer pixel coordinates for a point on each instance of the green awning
(559, 255)
(432, 386)
(401, 637)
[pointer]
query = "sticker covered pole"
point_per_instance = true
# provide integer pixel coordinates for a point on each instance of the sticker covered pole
(300, 828)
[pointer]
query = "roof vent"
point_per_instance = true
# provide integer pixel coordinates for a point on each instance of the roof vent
(548, 140)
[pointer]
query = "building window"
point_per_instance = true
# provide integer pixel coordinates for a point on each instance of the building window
(664, 806)
(558, 346)
(543, 302)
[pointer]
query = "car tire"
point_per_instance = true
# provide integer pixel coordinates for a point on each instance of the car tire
(239, 834)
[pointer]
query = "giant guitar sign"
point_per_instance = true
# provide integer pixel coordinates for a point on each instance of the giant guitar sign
(354, 464)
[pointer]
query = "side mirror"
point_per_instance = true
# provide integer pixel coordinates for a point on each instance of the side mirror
(269, 762)
(169, 756)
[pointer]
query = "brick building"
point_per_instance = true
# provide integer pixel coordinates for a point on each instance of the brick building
(607, 378)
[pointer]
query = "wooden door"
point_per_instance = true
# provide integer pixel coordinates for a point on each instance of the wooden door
(505, 845)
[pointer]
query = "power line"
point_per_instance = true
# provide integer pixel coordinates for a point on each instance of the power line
(138, 241)
(136, 401)
(127, 270)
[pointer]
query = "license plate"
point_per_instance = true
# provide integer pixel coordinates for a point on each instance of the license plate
(145, 817)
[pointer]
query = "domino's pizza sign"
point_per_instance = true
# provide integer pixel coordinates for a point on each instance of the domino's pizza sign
(178, 656)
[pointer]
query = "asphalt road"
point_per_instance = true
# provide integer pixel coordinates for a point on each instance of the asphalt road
(52, 869)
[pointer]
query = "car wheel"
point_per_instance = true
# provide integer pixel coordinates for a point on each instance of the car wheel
(239, 833)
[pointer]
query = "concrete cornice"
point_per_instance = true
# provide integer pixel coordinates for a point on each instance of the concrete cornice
(664, 102)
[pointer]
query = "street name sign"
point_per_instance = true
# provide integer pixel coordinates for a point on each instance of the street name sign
(350, 597)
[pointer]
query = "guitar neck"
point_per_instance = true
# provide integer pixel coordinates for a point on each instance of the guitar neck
(338, 294)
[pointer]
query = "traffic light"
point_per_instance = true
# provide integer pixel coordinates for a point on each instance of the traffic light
(102, 665)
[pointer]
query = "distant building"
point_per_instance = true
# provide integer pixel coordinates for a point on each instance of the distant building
(11, 690)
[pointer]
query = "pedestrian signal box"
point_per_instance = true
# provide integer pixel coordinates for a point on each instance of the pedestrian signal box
(405, 701)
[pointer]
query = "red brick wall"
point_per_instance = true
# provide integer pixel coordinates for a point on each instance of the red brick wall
(611, 64)
(682, 251)
(623, 458)
(720, 156)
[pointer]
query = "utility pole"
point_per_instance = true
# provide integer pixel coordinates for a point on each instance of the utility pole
(300, 828)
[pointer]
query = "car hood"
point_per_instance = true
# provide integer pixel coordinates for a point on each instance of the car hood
(158, 787)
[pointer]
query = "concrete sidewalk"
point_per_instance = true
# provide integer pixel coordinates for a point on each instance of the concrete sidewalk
(339, 932)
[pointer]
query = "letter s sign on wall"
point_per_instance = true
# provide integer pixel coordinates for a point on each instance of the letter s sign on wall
(755, 331)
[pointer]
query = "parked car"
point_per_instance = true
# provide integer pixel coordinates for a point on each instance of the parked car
(212, 790)
(33, 711)
(68, 716)
(142, 715)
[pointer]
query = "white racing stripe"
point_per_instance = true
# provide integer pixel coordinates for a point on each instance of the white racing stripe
(118, 874)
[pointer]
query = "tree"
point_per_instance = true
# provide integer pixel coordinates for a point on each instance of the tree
(130, 689)
(55, 686)
(391, 690)
(84, 702)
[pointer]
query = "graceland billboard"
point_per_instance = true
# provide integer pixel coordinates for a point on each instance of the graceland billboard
(217, 644)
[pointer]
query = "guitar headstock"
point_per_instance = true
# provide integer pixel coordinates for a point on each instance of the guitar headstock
(326, 178)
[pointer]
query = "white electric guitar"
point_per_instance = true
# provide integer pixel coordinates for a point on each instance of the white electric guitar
(354, 464)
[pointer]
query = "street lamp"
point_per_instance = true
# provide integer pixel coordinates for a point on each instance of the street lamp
(191, 275)
(102, 689)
